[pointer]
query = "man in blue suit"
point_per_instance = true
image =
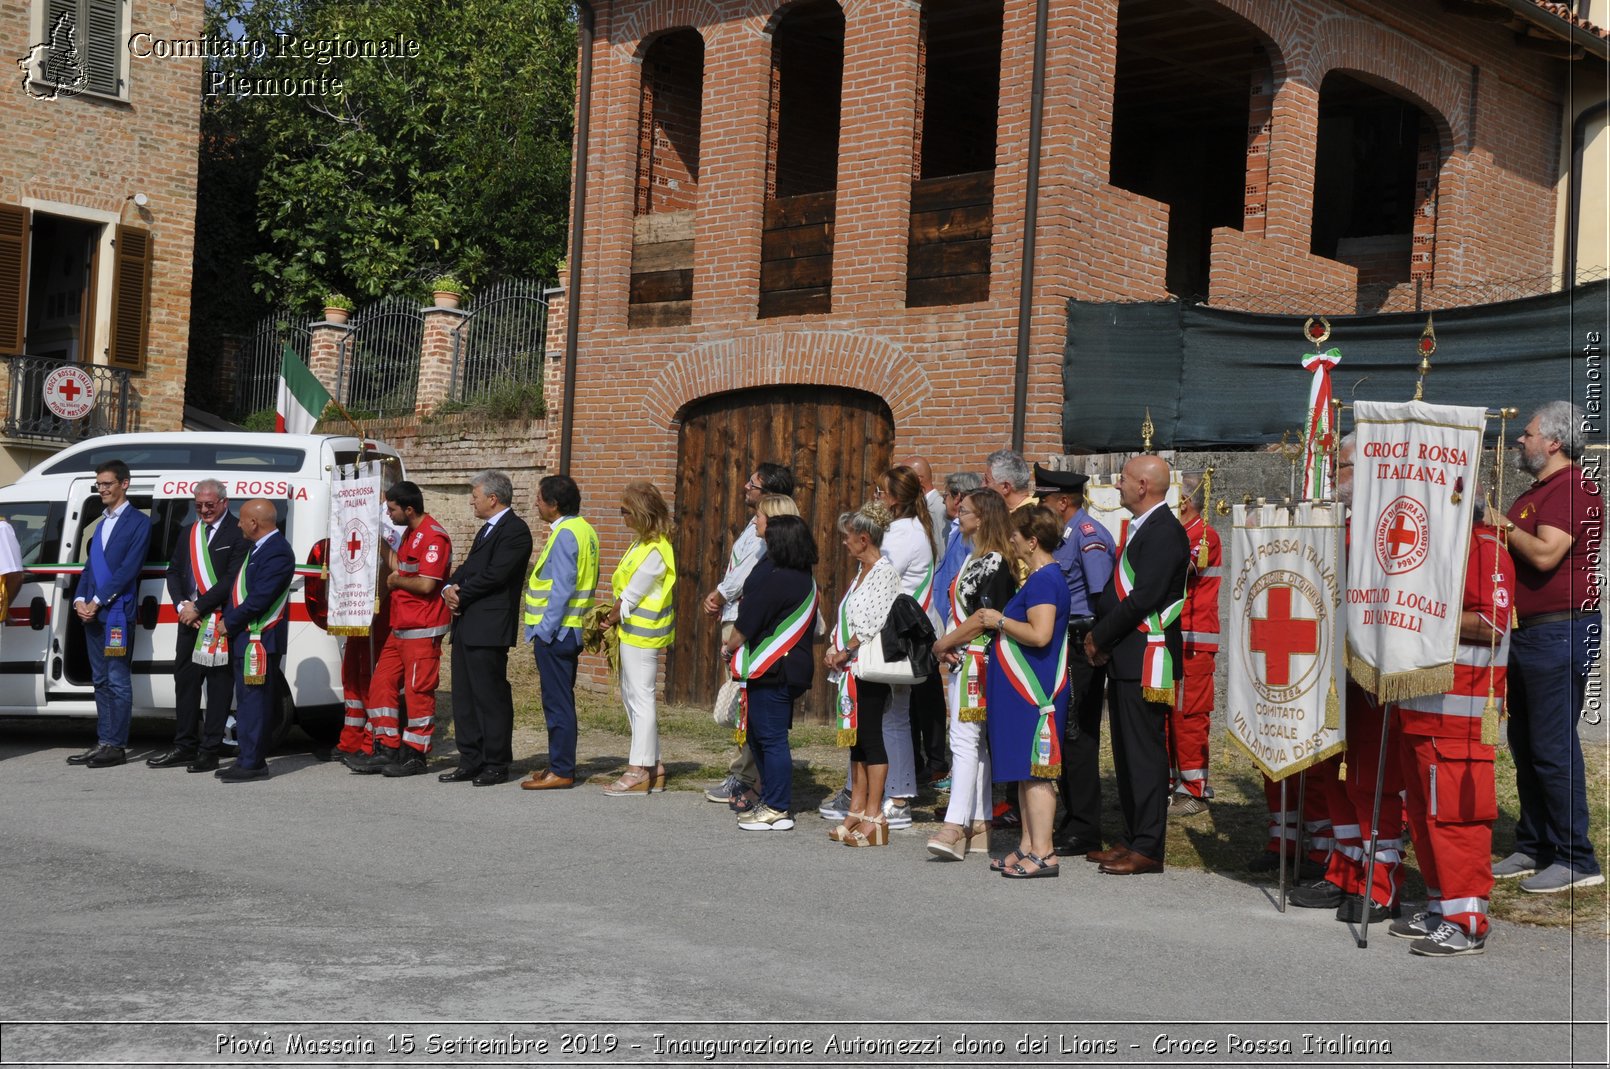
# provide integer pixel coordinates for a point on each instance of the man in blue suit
(105, 605)
(256, 623)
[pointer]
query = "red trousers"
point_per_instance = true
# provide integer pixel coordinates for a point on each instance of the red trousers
(357, 671)
(1452, 803)
(409, 669)
(1319, 782)
(1189, 725)
(1351, 803)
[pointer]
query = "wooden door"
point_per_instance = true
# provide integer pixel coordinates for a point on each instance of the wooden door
(837, 442)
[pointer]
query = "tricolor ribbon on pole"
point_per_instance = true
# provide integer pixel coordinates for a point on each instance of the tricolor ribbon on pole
(1319, 480)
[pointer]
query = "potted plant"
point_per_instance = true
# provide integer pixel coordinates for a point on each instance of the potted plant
(337, 308)
(447, 291)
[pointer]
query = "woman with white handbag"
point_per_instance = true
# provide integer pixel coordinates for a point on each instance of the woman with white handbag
(861, 705)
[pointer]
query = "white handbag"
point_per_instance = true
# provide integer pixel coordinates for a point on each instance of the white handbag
(871, 667)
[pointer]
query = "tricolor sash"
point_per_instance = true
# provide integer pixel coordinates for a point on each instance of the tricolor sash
(925, 589)
(212, 644)
(1319, 481)
(117, 624)
(1157, 664)
(1045, 747)
(751, 662)
(846, 698)
(970, 676)
(254, 669)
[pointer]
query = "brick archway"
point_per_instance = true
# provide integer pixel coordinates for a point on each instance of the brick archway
(809, 357)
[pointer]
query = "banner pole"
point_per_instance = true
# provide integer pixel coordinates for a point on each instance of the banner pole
(1285, 813)
(1375, 830)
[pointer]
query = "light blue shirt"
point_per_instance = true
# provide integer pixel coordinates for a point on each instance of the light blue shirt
(561, 568)
(957, 550)
(746, 553)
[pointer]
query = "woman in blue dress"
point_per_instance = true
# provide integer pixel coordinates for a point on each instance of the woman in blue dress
(1027, 687)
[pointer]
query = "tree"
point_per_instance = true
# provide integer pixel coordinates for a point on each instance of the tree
(372, 174)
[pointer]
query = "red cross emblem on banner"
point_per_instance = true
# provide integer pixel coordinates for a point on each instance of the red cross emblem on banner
(1285, 641)
(1280, 636)
(1403, 536)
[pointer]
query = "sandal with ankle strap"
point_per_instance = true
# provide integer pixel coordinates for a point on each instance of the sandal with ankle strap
(630, 784)
(879, 836)
(840, 832)
(950, 843)
(1001, 864)
(1044, 869)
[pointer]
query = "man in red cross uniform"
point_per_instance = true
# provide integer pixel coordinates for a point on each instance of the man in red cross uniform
(409, 667)
(1447, 769)
(1350, 797)
(1191, 721)
(358, 657)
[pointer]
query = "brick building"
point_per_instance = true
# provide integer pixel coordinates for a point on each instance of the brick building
(805, 223)
(97, 213)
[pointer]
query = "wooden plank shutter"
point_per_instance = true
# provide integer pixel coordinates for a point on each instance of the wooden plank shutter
(131, 297)
(99, 41)
(13, 277)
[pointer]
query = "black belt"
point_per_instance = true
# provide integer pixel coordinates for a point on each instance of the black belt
(1552, 618)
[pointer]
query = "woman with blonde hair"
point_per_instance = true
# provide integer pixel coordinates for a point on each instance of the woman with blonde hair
(986, 581)
(644, 617)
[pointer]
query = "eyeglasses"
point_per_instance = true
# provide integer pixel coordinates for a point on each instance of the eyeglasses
(965, 512)
(105, 486)
(751, 485)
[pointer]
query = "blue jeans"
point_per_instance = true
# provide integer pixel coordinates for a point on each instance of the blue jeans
(1548, 673)
(771, 714)
(556, 667)
(114, 689)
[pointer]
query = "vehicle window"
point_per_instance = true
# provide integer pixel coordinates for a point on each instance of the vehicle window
(168, 517)
(38, 527)
(203, 455)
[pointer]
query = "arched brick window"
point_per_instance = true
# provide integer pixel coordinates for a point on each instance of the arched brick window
(1191, 100)
(1375, 181)
(670, 102)
(953, 191)
(802, 157)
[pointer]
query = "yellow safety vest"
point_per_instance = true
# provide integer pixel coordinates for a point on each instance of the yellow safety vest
(652, 623)
(581, 602)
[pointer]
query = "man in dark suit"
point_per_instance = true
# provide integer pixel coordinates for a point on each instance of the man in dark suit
(256, 621)
(105, 605)
(484, 594)
(202, 570)
(1137, 634)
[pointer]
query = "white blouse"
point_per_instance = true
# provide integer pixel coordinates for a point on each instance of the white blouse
(870, 600)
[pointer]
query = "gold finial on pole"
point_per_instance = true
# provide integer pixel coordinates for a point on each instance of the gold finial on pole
(1146, 431)
(1317, 330)
(1428, 345)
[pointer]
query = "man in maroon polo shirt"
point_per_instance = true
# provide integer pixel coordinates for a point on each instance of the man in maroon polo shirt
(1552, 528)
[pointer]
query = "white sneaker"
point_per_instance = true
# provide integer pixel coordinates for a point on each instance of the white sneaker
(765, 818)
(897, 814)
(836, 807)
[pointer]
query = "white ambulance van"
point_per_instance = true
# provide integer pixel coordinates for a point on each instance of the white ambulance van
(44, 666)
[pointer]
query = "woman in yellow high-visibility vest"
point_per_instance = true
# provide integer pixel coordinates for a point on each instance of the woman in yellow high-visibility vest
(644, 617)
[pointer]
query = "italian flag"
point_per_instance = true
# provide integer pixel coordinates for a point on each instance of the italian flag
(301, 399)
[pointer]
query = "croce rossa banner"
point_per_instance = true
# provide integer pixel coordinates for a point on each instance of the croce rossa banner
(357, 515)
(1414, 492)
(1285, 636)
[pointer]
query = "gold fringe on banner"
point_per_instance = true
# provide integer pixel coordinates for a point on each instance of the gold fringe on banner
(1437, 679)
(1160, 695)
(845, 737)
(740, 736)
(1333, 708)
(1046, 771)
(972, 714)
(1489, 721)
(350, 630)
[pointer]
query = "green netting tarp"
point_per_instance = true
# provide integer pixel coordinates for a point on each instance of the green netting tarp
(1216, 379)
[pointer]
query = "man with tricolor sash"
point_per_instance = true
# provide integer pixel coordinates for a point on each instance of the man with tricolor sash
(1137, 633)
(257, 625)
(201, 574)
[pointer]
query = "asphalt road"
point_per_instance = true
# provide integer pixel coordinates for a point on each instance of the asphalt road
(385, 908)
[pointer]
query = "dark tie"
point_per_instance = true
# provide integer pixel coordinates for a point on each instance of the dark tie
(480, 535)
(212, 529)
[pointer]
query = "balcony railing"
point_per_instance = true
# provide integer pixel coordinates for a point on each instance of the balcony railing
(27, 416)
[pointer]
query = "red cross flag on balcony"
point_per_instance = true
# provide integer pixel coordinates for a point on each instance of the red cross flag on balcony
(1285, 645)
(1414, 479)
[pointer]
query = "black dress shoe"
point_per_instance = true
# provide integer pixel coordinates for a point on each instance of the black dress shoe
(204, 762)
(371, 764)
(1351, 911)
(1321, 894)
(1072, 845)
(84, 758)
(171, 759)
(412, 765)
(459, 775)
(490, 777)
(235, 774)
(107, 757)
